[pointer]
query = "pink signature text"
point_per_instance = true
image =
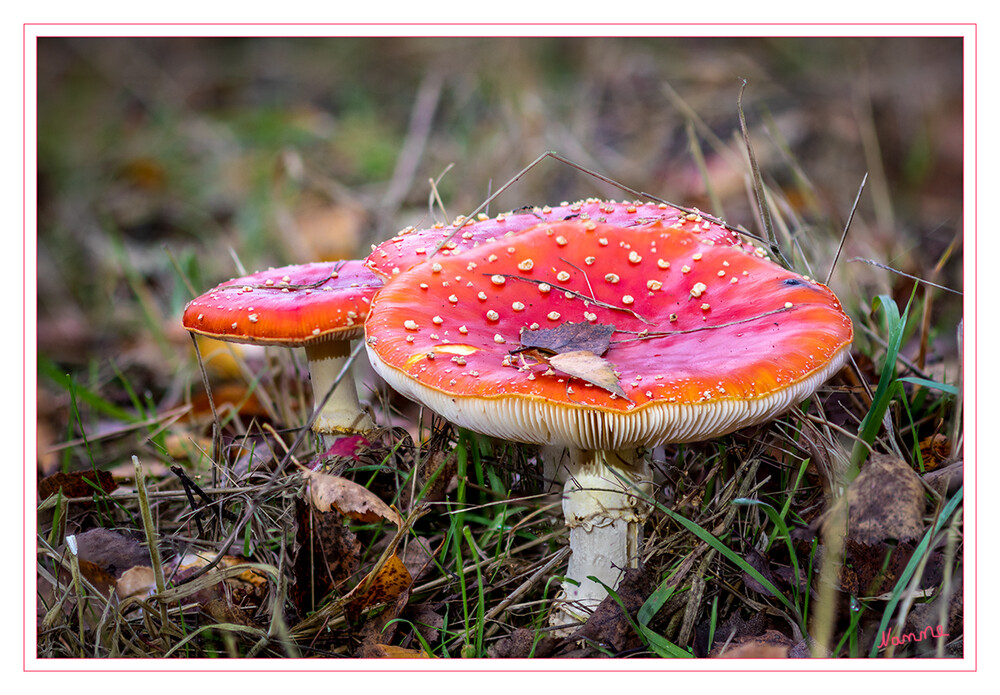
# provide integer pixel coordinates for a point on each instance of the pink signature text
(928, 632)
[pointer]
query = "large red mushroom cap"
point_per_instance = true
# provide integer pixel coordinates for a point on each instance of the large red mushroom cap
(413, 246)
(291, 306)
(707, 338)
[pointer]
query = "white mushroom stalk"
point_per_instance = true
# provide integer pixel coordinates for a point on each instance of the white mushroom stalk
(605, 506)
(341, 411)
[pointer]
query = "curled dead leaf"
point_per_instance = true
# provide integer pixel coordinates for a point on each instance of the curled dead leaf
(329, 492)
(585, 365)
(885, 502)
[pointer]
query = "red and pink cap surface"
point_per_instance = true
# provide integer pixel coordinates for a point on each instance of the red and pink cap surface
(707, 337)
(292, 306)
(413, 246)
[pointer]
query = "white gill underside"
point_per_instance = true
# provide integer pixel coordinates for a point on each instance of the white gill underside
(539, 421)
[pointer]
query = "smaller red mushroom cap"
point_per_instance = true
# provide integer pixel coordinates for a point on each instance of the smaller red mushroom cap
(412, 246)
(707, 338)
(292, 306)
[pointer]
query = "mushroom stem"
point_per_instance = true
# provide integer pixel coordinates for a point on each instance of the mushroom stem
(341, 413)
(604, 511)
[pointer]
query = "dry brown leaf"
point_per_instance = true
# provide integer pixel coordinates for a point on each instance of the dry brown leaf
(389, 651)
(886, 501)
(388, 583)
(327, 492)
(872, 569)
(608, 624)
(523, 643)
(136, 581)
(569, 337)
(79, 484)
(760, 563)
(585, 365)
(934, 451)
(326, 554)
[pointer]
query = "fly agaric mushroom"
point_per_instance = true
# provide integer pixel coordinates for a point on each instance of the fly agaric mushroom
(412, 246)
(319, 306)
(704, 339)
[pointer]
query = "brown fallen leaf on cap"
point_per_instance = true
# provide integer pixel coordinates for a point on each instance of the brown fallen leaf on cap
(569, 337)
(585, 365)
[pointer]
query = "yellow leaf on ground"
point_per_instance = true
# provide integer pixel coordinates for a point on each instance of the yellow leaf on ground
(386, 585)
(389, 651)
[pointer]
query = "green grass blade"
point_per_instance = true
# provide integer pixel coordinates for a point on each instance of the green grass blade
(779, 523)
(655, 602)
(946, 388)
(732, 556)
(658, 643)
(872, 422)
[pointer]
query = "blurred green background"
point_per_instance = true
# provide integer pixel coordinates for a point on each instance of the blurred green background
(169, 164)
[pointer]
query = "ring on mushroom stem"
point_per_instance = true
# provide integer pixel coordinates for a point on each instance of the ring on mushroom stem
(319, 306)
(675, 369)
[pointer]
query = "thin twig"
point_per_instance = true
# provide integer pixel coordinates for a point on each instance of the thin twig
(847, 227)
(482, 206)
(758, 184)
(434, 196)
(906, 275)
